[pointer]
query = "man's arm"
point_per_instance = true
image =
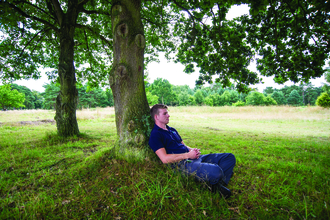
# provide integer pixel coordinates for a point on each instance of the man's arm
(189, 148)
(171, 158)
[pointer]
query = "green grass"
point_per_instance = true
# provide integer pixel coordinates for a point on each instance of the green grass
(282, 169)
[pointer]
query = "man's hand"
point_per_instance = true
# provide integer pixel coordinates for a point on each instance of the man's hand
(194, 153)
(191, 149)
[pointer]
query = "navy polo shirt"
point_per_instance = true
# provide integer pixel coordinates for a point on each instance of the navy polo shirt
(170, 140)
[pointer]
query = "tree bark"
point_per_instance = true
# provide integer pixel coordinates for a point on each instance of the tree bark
(133, 119)
(66, 101)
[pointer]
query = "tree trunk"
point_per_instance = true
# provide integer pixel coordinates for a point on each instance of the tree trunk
(66, 101)
(133, 119)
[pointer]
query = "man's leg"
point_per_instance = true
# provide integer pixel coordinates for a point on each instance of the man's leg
(209, 172)
(226, 162)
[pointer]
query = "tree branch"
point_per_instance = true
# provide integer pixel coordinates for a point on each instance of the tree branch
(39, 9)
(39, 40)
(43, 30)
(83, 2)
(90, 63)
(95, 12)
(21, 12)
(51, 9)
(306, 23)
(152, 22)
(191, 15)
(58, 11)
(84, 27)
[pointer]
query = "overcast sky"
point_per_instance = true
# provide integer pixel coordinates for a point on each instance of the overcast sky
(173, 72)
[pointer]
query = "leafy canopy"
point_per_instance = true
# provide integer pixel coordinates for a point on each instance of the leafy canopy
(289, 37)
(30, 39)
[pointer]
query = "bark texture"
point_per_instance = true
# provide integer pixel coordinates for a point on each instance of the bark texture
(66, 101)
(133, 120)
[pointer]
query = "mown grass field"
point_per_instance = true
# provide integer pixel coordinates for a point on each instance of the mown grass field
(282, 170)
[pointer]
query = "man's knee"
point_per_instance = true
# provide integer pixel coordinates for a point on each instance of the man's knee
(232, 157)
(215, 174)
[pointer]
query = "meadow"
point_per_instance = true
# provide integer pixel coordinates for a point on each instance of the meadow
(282, 170)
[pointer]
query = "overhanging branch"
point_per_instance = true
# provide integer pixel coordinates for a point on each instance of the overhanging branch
(89, 12)
(191, 15)
(58, 11)
(40, 9)
(83, 2)
(43, 30)
(24, 14)
(84, 27)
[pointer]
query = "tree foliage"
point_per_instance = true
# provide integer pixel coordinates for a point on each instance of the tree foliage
(268, 100)
(239, 103)
(215, 96)
(326, 86)
(163, 90)
(91, 97)
(278, 96)
(87, 97)
(255, 98)
(31, 35)
(268, 90)
(10, 98)
(152, 99)
(294, 98)
(310, 93)
(290, 36)
(323, 100)
(50, 94)
(61, 35)
(33, 99)
(199, 98)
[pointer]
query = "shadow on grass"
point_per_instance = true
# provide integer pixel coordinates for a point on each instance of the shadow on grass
(104, 186)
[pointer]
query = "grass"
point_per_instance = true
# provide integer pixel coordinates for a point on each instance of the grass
(282, 169)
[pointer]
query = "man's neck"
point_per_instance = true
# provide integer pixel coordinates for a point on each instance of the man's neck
(162, 126)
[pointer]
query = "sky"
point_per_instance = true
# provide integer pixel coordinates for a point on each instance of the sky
(173, 72)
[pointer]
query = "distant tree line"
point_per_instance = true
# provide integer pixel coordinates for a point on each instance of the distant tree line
(161, 91)
(87, 97)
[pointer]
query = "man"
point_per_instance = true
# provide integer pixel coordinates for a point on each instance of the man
(215, 169)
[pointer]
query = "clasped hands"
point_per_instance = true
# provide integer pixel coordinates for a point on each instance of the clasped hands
(194, 153)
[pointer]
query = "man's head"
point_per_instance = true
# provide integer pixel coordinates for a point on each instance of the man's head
(155, 110)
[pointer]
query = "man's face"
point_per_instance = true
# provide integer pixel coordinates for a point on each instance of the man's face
(163, 117)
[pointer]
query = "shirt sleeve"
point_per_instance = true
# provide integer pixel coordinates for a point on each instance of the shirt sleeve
(156, 141)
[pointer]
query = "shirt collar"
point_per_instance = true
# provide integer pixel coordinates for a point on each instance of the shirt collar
(159, 128)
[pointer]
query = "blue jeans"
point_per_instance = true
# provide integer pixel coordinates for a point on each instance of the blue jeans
(211, 168)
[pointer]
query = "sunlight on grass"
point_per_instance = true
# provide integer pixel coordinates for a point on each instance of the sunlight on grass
(290, 121)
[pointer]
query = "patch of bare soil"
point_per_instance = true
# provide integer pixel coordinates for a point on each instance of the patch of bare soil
(38, 122)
